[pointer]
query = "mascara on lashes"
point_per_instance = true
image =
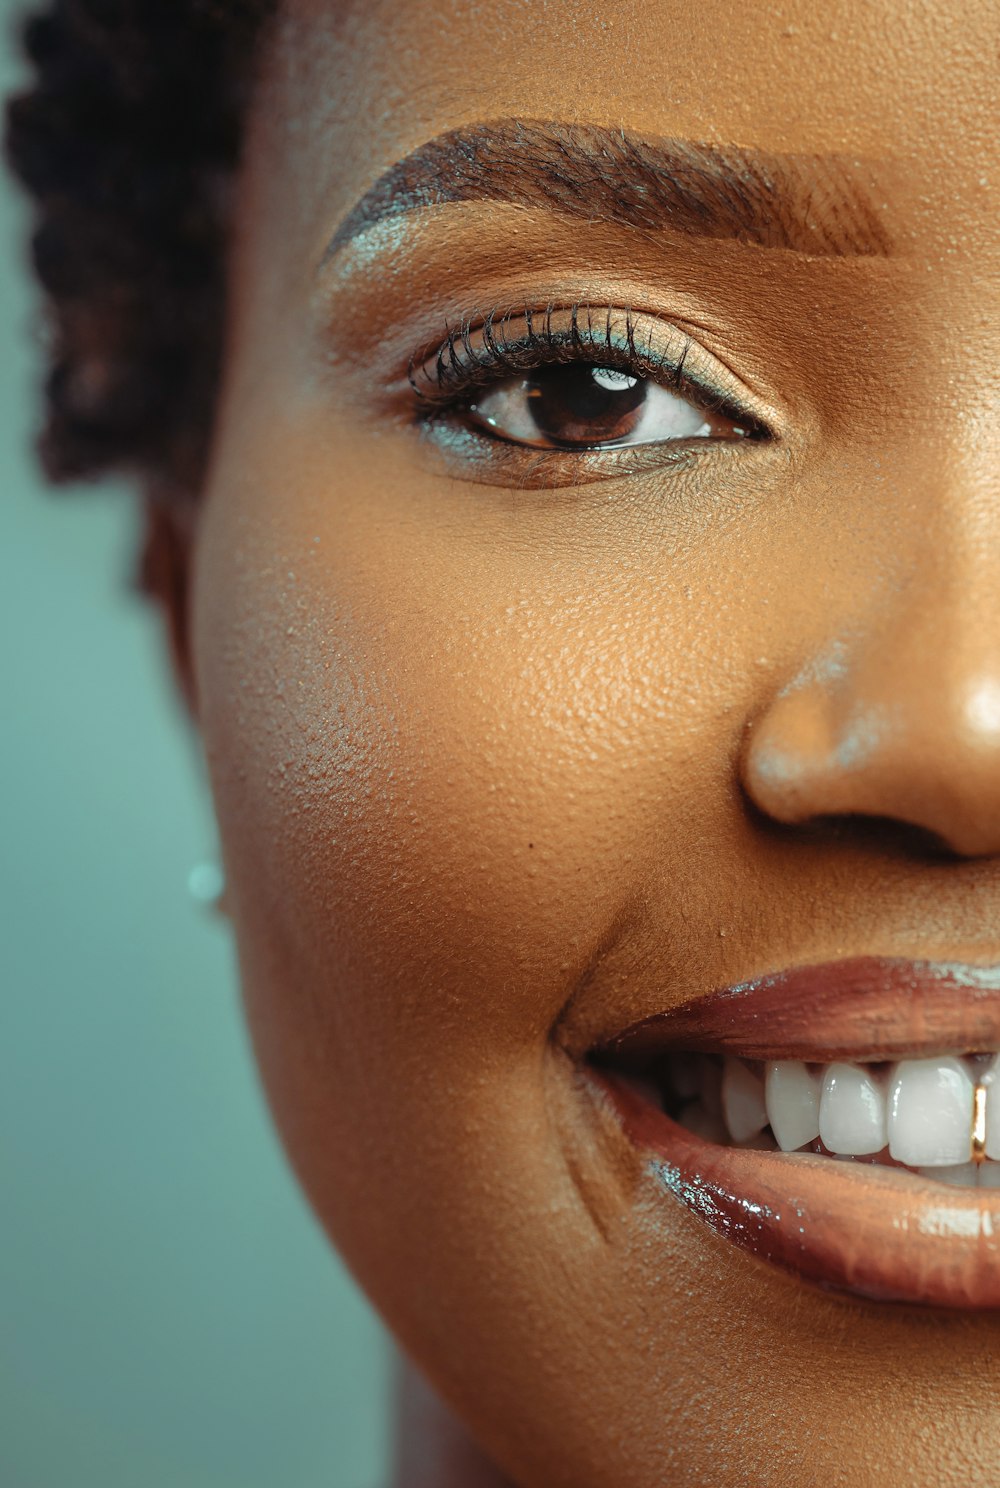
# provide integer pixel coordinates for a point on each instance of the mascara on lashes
(480, 351)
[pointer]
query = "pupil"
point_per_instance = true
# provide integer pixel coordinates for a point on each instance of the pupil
(580, 404)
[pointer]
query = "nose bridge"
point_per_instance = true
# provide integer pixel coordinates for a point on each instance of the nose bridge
(896, 714)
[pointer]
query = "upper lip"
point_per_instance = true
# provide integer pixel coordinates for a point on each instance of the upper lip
(867, 1007)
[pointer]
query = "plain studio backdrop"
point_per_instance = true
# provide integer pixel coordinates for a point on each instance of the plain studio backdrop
(170, 1315)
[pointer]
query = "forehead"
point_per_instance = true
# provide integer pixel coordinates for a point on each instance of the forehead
(908, 92)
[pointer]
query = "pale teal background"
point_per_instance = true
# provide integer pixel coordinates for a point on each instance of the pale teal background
(170, 1316)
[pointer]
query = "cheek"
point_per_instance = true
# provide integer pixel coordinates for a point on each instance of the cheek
(451, 758)
(445, 766)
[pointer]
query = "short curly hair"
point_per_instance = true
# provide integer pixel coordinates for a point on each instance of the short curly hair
(127, 137)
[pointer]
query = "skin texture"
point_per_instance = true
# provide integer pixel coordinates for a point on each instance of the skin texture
(503, 766)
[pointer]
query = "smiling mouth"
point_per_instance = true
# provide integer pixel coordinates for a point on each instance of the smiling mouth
(839, 1121)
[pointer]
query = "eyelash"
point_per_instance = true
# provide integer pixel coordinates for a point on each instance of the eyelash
(442, 384)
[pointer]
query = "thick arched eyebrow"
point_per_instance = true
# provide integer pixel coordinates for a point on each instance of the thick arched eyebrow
(815, 204)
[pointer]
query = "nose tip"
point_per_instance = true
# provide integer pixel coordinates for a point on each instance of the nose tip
(892, 746)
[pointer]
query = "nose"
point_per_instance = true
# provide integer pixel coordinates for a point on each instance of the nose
(899, 719)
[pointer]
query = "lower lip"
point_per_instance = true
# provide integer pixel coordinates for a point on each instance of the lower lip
(879, 1233)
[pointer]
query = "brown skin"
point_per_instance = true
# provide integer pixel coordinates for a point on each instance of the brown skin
(500, 771)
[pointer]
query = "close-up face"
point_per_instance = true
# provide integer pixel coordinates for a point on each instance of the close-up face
(593, 634)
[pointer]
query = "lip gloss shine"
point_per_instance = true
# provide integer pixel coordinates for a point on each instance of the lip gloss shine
(879, 1232)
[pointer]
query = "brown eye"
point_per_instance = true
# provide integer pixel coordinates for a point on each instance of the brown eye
(582, 406)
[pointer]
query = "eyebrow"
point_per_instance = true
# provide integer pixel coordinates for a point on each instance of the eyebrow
(814, 204)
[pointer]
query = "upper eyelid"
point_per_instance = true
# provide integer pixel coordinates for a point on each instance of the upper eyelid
(440, 378)
(487, 326)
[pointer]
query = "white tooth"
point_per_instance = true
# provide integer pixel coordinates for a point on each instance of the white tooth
(930, 1113)
(991, 1079)
(851, 1110)
(792, 1099)
(696, 1119)
(742, 1100)
(962, 1175)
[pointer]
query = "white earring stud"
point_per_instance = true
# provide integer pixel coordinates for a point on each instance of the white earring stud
(207, 886)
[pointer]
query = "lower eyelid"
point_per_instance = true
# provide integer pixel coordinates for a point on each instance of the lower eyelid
(476, 456)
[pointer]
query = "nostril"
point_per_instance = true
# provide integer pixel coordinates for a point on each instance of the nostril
(864, 832)
(917, 788)
(885, 836)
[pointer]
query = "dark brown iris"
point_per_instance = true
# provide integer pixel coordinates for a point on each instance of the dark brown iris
(581, 405)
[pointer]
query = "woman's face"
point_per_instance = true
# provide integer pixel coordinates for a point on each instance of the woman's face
(517, 741)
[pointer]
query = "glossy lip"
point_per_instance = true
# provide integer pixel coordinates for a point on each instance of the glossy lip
(884, 1234)
(878, 1233)
(870, 1007)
